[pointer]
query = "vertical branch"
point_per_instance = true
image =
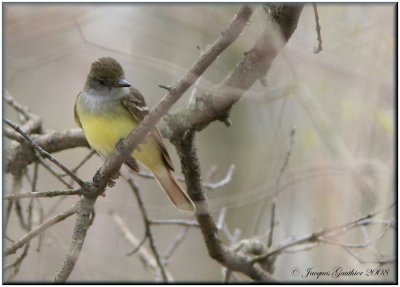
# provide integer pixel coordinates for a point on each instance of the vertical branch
(83, 221)
(216, 249)
(317, 29)
(147, 224)
(277, 182)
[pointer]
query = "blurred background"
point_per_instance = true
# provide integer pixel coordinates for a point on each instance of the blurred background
(340, 102)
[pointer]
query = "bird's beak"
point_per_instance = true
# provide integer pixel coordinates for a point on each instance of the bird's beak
(122, 83)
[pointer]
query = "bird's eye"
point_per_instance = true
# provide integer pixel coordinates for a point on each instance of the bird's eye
(101, 82)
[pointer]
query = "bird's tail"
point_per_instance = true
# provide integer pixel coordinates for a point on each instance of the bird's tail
(176, 194)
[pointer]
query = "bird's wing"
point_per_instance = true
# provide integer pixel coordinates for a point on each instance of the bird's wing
(136, 105)
(76, 116)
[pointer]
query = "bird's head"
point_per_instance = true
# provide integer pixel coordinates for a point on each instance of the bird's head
(106, 74)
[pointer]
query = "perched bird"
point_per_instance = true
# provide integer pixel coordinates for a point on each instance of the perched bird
(108, 109)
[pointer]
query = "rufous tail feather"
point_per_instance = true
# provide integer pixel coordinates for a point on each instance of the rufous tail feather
(176, 194)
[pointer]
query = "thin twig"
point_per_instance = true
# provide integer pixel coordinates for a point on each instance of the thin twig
(21, 156)
(12, 135)
(44, 153)
(55, 174)
(165, 87)
(301, 249)
(18, 107)
(209, 185)
(52, 193)
(41, 218)
(55, 206)
(20, 215)
(33, 122)
(38, 229)
(223, 182)
(221, 218)
(142, 251)
(318, 29)
(175, 244)
(277, 183)
(381, 261)
(17, 263)
(173, 222)
(138, 245)
(35, 176)
(83, 161)
(149, 233)
(137, 248)
(317, 236)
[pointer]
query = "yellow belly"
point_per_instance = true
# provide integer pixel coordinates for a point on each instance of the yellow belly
(104, 131)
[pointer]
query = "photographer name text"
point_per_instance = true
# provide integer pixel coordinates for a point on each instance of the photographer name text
(337, 272)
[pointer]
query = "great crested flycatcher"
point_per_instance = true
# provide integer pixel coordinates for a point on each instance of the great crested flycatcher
(108, 109)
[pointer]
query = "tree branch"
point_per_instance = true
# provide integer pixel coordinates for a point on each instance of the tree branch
(215, 104)
(143, 253)
(126, 147)
(33, 122)
(109, 171)
(317, 29)
(37, 230)
(319, 235)
(149, 233)
(44, 153)
(216, 249)
(52, 193)
(23, 155)
(83, 209)
(174, 222)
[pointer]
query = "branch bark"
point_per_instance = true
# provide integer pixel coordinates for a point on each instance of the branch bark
(83, 221)
(216, 248)
(215, 104)
(23, 155)
(37, 230)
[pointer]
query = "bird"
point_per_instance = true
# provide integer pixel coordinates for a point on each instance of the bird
(108, 109)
